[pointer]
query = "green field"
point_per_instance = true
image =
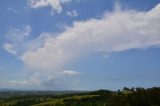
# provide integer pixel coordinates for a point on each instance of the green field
(125, 97)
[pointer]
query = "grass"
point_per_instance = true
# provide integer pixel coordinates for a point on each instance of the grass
(61, 100)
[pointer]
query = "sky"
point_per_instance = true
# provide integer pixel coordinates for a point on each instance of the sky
(79, 44)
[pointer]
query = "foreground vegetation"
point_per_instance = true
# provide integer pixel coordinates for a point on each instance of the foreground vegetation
(126, 97)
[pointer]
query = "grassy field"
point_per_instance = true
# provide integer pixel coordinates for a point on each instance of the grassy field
(125, 97)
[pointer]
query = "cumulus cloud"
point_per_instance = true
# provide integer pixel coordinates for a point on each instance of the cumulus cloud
(56, 5)
(72, 13)
(119, 30)
(9, 48)
(70, 73)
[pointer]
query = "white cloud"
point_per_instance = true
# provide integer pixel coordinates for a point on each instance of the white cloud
(70, 73)
(18, 35)
(115, 31)
(13, 10)
(20, 84)
(72, 13)
(44, 81)
(9, 48)
(56, 5)
(16, 38)
(38, 42)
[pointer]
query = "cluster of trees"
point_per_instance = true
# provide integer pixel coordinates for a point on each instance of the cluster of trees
(126, 97)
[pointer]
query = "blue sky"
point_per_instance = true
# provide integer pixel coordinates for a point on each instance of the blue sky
(79, 44)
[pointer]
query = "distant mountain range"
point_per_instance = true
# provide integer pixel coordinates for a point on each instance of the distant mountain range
(7, 92)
